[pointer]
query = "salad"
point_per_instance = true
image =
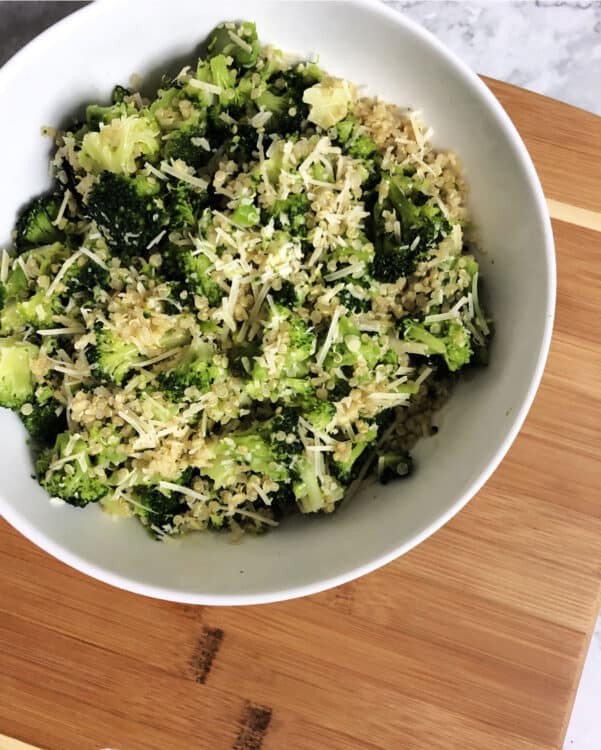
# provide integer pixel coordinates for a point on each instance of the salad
(242, 297)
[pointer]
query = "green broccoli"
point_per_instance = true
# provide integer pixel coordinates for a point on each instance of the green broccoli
(87, 279)
(119, 93)
(188, 144)
(290, 385)
(46, 419)
(16, 380)
(422, 226)
(351, 301)
(286, 296)
(291, 214)
(195, 371)
(242, 145)
(284, 99)
(453, 342)
(282, 432)
(314, 492)
(18, 309)
(353, 346)
(126, 210)
(340, 390)
(192, 271)
(37, 311)
(318, 413)
(105, 443)
(117, 146)
(392, 465)
(184, 205)
(347, 471)
(35, 224)
(98, 116)
(361, 146)
(246, 214)
(239, 41)
(15, 286)
(157, 506)
(246, 452)
(72, 480)
(111, 358)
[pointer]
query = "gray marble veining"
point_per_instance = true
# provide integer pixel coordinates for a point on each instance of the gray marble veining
(549, 46)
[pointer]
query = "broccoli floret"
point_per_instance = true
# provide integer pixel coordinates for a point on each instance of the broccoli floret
(126, 210)
(347, 471)
(284, 99)
(361, 146)
(224, 40)
(283, 501)
(282, 433)
(37, 311)
(223, 77)
(422, 226)
(453, 342)
(286, 295)
(111, 358)
(116, 146)
(314, 493)
(34, 226)
(98, 116)
(192, 271)
(72, 481)
(246, 215)
(352, 302)
(353, 346)
(87, 279)
(158, 507)
(343, 130)
(186, 143)
(105, 442)
(301, 345)
(19, 309)
(340, 390)
(291, 214)
(119, 94)
(246, 452)
(290, 385)
(185, 204)
(47, 419)
(393, 465)
(15, 286)
(16, 380)
(319, 413)
(195, 370)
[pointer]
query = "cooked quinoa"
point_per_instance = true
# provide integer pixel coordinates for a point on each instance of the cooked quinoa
(241, 299)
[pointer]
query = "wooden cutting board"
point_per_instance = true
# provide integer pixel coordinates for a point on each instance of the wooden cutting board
(473, 641)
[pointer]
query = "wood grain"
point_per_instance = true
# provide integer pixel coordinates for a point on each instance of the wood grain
(473, 641)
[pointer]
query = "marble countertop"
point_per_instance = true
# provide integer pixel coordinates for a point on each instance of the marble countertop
(495, 38)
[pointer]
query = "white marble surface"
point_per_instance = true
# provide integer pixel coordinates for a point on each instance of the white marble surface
(553, 48)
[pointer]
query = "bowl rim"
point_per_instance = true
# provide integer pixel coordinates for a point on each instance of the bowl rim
(472, 81)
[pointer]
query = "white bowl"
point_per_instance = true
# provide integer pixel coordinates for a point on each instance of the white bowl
(79, 60)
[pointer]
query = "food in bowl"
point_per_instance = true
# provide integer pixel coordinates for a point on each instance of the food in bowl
(241, 299)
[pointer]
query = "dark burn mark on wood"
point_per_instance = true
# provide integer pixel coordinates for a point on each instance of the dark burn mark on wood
(253, 727)
(205, 652)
